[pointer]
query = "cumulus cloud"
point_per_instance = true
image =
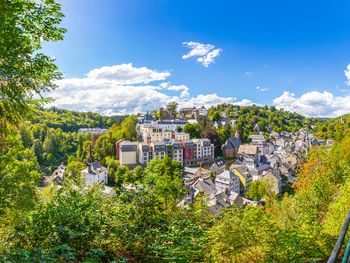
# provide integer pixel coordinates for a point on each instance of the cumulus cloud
(245, 102)
(314, 104)
(261, 89)
(127, 74)
(108, 91)
(207, 100)
(205, 53)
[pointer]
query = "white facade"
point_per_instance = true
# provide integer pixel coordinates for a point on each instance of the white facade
(143, 153)
(227, 181)
(95, 173)
(181, 136)
(204, 148)
(203, 111)
(128, 153)
(170, 125)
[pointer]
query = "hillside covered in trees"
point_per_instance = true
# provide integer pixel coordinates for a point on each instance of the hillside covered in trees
(78, 223)
(74, 223)
(334, 128)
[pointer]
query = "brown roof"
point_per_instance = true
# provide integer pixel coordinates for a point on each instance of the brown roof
(248, 149)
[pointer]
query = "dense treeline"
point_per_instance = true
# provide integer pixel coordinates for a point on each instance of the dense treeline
(53, 136)
(72, 121)
(336, 128)
(144, 222)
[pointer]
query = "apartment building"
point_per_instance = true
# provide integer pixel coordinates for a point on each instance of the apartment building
(126, 152)
(187, 152)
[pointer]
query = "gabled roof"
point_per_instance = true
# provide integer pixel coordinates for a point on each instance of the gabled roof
(248, 149)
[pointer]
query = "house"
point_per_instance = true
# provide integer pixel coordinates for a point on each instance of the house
(247, 150)
(257, 172)
(215, 199)
(189, 153)
(217, 202)
(193, 174)
(95, 173)
(274, 180)
(127, 153)
(243, 173)
(203, 112)
(147, 118)
(227, 181)
(259, 140)
(232, 122)
(205, 186)
(218, 124)
(272, 159)
(291, 159)
(235, 199)
(231, 146)
(218, 166)
(58, 175)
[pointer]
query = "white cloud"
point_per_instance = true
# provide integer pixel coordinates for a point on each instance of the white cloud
(261, 89)
(205, 53)
(112, 94)
(347, 74)
(245, 102)
(127, 74)
(314, 104)
(207, 100)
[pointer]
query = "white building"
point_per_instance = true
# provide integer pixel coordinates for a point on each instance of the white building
(227, 181)
(202, 111)
(128, 153)
(180, 136)
(171, 125)
(95, 173)
(204, 149)
(176, 149)
(143, 153)
(158, 150)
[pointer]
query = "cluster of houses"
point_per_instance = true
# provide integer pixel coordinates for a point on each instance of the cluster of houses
(221, 181)
(224, 184)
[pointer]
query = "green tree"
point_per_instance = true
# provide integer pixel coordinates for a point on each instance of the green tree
(38, 150)
(24, 70)
(258, 189)
(172, 107)
(193, 129)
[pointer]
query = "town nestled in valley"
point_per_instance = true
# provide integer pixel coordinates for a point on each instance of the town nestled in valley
(174, 131)
(225, 179)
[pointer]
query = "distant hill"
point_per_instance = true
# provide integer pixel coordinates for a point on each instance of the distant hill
(251, 119)
(72, 121)
(334, 128)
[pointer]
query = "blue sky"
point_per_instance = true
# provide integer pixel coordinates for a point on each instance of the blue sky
(294, 51)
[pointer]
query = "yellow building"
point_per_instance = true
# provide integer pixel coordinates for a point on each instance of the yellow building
(243, 174)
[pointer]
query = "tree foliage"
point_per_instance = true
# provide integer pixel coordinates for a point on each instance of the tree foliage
(24, 70)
